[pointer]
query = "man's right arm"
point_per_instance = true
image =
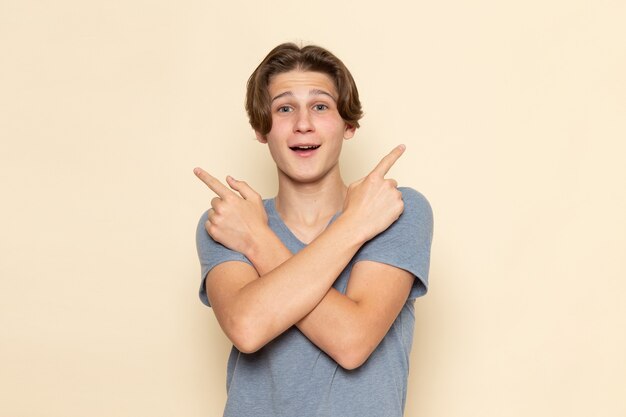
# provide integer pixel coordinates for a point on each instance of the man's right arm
(253, 310)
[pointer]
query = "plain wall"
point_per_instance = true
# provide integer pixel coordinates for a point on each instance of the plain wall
(514, 116)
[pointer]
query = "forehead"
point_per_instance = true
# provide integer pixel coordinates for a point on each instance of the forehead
(298, 81)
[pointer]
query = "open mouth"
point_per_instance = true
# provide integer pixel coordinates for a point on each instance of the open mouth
(304, 147)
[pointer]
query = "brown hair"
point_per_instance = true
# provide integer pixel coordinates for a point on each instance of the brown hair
(287, 57)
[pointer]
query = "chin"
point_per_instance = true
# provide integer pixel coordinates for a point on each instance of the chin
(304, 177)
(310, 174)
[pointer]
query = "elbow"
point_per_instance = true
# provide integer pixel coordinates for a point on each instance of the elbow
(350, 364)
(245, 345)
(352, 356)
(350, 361)
(245, 337)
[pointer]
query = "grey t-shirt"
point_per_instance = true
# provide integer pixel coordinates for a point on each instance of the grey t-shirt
(290, 376)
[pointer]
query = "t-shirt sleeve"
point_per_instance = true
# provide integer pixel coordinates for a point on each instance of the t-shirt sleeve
(406, 243)
(211, 254)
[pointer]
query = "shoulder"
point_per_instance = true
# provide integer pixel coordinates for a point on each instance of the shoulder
(211, 254)
(200, 227)
(416, 219)
(412, 232)
(406, 243)
(208, 249)
(417, 208)
(414, 199)
(202, 237)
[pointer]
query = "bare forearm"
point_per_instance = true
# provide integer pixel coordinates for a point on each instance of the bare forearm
(253, 309)
(292, 286)
(338, 326)
(334, 322)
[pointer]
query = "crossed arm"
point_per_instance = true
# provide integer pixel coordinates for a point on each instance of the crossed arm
(255, 304)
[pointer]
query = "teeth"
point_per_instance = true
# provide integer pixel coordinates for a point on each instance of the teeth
(306, 148)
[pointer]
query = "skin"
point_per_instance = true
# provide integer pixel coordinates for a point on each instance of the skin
(254, 304)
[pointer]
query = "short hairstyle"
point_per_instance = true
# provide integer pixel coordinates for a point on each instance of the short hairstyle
(287, 57)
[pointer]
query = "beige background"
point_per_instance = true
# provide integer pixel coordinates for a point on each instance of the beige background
(514, 118)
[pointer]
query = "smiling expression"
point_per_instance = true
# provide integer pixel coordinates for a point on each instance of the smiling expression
(307, 131)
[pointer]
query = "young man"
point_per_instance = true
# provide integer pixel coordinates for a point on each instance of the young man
(315, 287)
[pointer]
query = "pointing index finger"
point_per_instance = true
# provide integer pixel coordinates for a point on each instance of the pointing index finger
(387, 162)
(212, 182)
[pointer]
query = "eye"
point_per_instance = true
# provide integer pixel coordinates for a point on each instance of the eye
(320, 107)
(284, 109)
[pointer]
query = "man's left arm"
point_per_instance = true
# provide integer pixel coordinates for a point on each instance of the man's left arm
(347, 327)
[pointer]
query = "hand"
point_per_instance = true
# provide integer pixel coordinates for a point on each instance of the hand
(373, 202)
(235, 218)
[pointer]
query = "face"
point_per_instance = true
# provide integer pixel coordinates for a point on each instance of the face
(307, 130)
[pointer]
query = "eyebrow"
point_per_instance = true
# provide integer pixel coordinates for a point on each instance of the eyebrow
(314, 92)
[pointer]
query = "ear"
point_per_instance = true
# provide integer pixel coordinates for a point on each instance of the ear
(349, 131)
(260, 137)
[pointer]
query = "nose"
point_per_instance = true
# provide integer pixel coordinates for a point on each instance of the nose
(304, 123)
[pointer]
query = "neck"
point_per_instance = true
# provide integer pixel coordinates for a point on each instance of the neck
(311, 204)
